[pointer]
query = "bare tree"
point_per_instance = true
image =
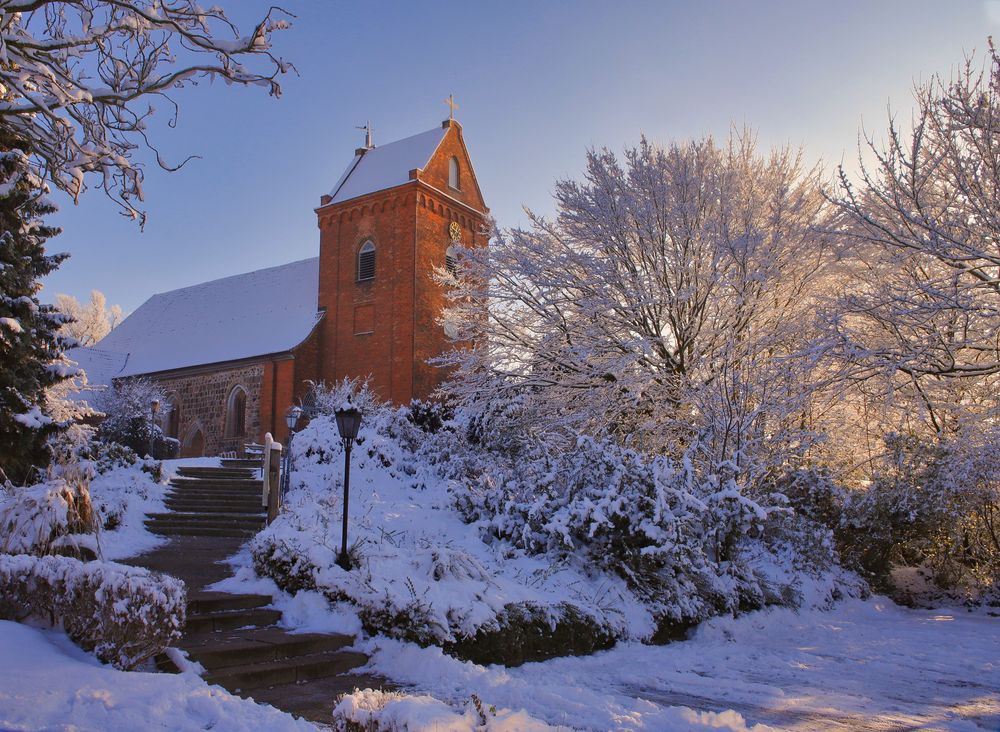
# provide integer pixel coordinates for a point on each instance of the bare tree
(76, 77)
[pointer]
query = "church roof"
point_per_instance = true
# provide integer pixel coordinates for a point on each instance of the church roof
(100, 366)
(268, 311)
(386, 166)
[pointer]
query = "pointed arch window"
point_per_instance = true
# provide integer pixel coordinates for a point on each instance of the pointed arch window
(451, 260)
(454, 175)
(366, 261)
(236, 412)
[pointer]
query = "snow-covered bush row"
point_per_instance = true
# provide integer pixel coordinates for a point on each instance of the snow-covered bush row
(528, 551)
(55, 517)
(688, 546)
(390, 711)
(123, 614)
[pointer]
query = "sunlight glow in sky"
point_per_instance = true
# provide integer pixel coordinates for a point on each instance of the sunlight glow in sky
(536, 83)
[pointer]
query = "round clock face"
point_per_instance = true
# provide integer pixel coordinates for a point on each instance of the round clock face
(455, 231)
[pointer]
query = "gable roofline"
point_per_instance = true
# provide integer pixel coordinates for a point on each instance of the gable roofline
(472, 168)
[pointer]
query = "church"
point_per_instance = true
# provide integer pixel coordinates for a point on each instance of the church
(234, 354)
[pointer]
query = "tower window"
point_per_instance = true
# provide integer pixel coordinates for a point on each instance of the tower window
(366, 262)
(454, 180)
(451, 261)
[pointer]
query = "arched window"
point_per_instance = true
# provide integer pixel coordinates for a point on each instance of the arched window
(451, 260)
(236, 413)
(454, 179)
(366, 262)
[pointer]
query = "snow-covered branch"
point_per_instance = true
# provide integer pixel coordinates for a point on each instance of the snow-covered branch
(73, 76)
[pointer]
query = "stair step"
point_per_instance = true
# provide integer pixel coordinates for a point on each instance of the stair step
(246, 463)
(261, 646)
(287, 671)
(219, 520)
(205, 602)
(231, 620)
(215, 472)
(235, 495)
(185, 506)
(231, 485)
(201, 531)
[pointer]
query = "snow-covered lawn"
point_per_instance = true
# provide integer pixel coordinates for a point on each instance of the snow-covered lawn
(863, 665)
(47, 683)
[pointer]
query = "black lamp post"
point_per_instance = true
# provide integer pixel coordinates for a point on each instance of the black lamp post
(348, 424)
(154, 408)
(291, 419)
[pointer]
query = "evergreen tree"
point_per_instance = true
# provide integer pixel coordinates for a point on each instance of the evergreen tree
(31, 357)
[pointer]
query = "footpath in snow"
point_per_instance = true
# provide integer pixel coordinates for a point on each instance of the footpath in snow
(862, 666)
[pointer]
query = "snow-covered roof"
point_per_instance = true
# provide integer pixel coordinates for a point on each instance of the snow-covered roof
(100, 367)
(387, 166)
(268, 311)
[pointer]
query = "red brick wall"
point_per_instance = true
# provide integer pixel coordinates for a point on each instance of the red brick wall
(386, 328)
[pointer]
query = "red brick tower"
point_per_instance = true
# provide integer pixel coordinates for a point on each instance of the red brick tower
(385, 226)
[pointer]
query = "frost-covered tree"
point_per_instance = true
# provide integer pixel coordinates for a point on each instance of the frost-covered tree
(30, 345)
(922, 219)
(91, 322)
(76, 79)
(669, 304)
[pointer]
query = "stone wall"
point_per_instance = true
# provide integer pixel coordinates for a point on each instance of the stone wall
(202, 398)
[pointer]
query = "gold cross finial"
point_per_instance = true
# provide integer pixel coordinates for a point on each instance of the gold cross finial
(450, 101)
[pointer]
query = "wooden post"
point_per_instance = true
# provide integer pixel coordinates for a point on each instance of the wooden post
(274, 483)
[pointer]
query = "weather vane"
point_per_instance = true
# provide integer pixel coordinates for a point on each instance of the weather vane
(450, 101)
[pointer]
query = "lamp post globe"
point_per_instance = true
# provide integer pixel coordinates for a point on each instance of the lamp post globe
(292, 418)
(348, 425)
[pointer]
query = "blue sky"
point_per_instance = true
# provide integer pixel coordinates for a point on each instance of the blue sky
(537, 83)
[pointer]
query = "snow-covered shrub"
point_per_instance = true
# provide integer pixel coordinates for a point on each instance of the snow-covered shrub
(930, 505)
(688, 546)
(123, 488)
(128, 419)
(325, 400)
(123, 614)
(55, 517)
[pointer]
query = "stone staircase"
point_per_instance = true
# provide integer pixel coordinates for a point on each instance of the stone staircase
(206, 501)
(235, 636)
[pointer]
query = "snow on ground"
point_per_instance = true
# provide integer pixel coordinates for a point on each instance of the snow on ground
(132, 495)
(863, 665)
(56, 686)
(128, 494)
